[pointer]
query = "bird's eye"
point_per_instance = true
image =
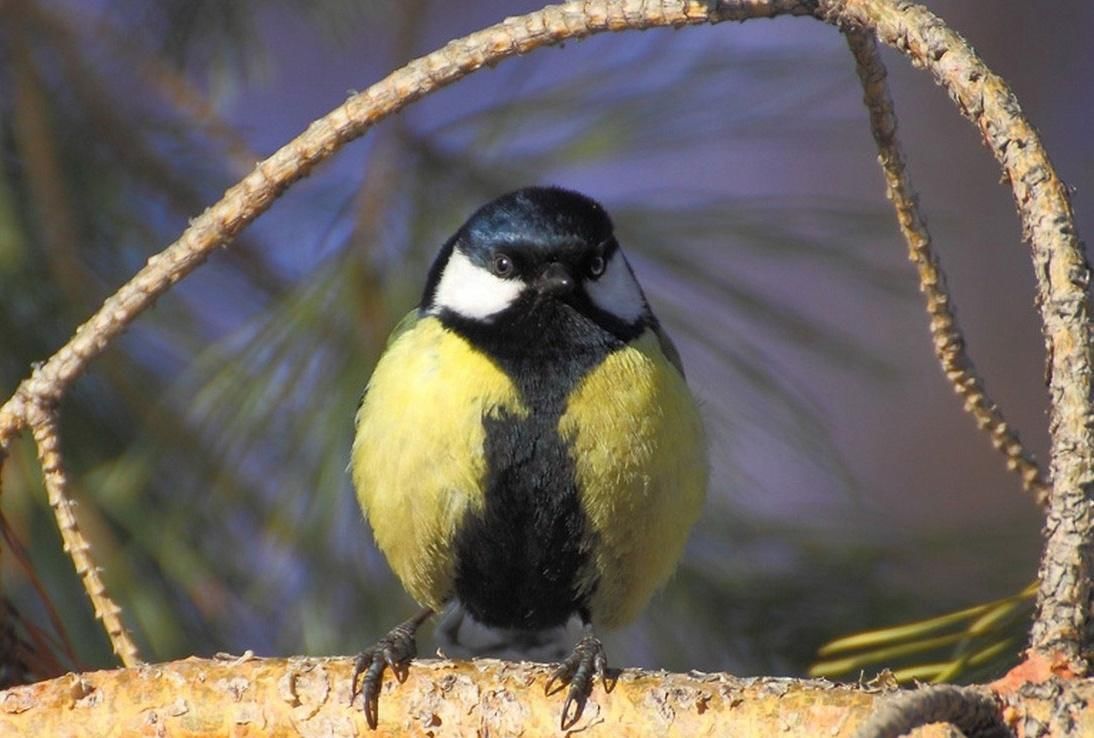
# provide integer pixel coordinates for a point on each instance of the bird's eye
(596, 266)
(501, 265)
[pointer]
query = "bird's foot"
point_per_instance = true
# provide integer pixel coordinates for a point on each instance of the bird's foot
(395, 651)
(580, 670)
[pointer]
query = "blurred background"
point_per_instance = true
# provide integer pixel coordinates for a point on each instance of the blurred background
(208, 446)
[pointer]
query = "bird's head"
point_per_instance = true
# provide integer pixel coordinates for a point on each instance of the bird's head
(533, 255)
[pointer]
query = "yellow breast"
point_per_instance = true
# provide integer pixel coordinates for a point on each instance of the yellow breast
(632, 428)
(418, 462)
(638, 445)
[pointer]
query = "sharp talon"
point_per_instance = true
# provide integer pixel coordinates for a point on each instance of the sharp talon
(371, 692)
(609, 680)
(576, 702)
(580, 670)
(360, 664)
(393, 651)
(574, 705)
(549, 689)
(560, 677)
(372, 714)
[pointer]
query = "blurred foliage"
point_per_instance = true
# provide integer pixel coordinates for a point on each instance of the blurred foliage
(208, 446)
(966, 645)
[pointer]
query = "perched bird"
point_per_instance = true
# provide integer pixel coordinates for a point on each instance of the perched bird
(527, 445)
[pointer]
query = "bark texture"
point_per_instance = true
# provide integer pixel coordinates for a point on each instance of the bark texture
(310, 697)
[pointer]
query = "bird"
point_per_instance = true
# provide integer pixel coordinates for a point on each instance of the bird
(528, 446)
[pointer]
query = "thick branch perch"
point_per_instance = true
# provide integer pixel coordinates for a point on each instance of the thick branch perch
(198, 697)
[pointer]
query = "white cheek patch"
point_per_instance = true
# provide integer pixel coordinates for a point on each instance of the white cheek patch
(470, 290)
(617, 292)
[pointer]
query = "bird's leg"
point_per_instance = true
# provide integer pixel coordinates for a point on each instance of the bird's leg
(580, 670)
(394, 650)
(448, 627)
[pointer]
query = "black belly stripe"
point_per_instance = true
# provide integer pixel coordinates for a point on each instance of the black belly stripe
(520, 563)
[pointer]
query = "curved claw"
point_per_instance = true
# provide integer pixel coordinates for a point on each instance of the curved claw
(368, 670)
(576, 701)
(580, 670)
(556, 676)
(394, 651)
(400, 665)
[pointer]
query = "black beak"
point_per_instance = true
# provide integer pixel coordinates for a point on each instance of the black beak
(555, 280)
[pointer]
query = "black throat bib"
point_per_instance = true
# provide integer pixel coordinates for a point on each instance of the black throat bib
(522, 561)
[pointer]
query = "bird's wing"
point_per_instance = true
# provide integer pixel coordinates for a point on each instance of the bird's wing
(668, 348)
(408, 321)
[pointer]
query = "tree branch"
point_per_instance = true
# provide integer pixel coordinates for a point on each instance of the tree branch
(1064, 626)
(311, 696)
(946, 334)
(44, 427)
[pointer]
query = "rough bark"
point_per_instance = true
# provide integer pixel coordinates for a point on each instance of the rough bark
(310, 697)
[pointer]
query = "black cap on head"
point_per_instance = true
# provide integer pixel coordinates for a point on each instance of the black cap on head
(548, 218)
(537, 272)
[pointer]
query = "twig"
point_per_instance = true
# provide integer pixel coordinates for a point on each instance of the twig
(44, 428)
(946, 335)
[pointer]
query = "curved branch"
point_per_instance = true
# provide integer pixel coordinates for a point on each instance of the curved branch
(946, 335)
(1064, 625)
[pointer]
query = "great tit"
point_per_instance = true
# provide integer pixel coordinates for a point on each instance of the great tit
(527, 444)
